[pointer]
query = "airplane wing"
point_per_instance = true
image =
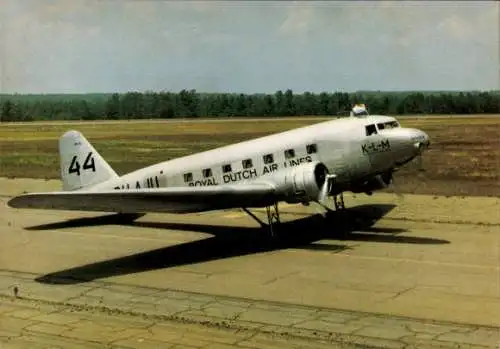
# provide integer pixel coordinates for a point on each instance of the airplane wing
(174, 199)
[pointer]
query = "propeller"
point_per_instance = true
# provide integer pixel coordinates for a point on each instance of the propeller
(420, 163)
(394, 188)
(419, 158)
(390, 184)
(325, 190)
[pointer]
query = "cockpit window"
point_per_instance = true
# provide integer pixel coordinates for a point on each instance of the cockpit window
(370, 129)
(388, 125)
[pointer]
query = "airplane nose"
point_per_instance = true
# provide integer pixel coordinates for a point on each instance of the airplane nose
(427, 140)
(421, 140)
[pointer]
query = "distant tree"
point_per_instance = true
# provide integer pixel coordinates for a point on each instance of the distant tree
(186, 105)
(86, 113)
(324, 104)
(150, 103)
(269, 106)
(344, 102)
(132, 105)
(7, 111)
(113, 107)
(166, 108)
(289, 103)
(310, 107)
(189, 103)
(239, 106)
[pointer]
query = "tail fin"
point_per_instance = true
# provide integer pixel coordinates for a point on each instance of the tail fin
(81, 164)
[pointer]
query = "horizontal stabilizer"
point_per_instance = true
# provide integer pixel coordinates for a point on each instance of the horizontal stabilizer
(173, 199)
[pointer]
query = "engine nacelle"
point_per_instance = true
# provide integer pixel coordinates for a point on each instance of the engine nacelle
(302, 183)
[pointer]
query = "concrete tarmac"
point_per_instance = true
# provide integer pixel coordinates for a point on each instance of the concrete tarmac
(389, 272)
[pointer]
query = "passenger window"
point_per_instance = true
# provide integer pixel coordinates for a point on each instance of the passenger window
(226, 168)
(311, 148)
(268, 159)
(370, 130)
(380, 126)
(289, 153)
(188, 177)
(207, 172)
(247, 163)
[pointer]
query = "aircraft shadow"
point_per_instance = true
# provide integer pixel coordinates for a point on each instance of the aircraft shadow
(354, 224)
(110, 219)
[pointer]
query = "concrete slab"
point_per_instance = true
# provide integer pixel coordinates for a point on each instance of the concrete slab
(427, 273)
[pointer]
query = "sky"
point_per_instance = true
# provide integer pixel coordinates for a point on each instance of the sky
(81, 46)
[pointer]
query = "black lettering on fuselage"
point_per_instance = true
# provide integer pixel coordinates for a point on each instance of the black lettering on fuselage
(238, 176)
(301, 160)
(204, 182)
(122, 187)
(376, 147)
(269, 169)
(149, 183)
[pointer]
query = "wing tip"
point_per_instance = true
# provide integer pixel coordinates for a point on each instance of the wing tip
(16, 202)
(12, 203)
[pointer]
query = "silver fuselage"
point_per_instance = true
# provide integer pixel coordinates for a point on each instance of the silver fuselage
(344, 145)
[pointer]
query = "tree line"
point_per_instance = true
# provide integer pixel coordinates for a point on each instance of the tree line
(191, 104)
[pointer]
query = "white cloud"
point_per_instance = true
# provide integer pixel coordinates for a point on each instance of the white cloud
(298, 20)
(456, 27)
(98, 45)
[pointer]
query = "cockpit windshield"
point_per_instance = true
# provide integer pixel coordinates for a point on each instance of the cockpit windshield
(387, 125)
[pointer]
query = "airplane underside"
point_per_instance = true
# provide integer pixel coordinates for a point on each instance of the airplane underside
(273, 215)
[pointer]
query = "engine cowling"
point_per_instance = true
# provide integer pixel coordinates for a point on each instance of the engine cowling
(302, 183)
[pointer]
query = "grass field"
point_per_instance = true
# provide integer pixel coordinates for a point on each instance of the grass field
(464, 158)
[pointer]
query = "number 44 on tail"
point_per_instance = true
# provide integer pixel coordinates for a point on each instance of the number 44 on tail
(88, 164)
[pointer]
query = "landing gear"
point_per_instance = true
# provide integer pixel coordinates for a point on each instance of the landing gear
(338, 200)
(338, 203)
(326, 189)
(273, 219)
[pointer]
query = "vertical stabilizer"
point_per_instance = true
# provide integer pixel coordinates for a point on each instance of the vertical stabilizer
(81, 165)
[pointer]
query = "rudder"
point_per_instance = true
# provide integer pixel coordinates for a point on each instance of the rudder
(81, 165)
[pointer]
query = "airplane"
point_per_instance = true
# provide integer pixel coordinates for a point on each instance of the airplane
(358, 153)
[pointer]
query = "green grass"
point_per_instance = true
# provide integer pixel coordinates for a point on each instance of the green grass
(464, 157)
